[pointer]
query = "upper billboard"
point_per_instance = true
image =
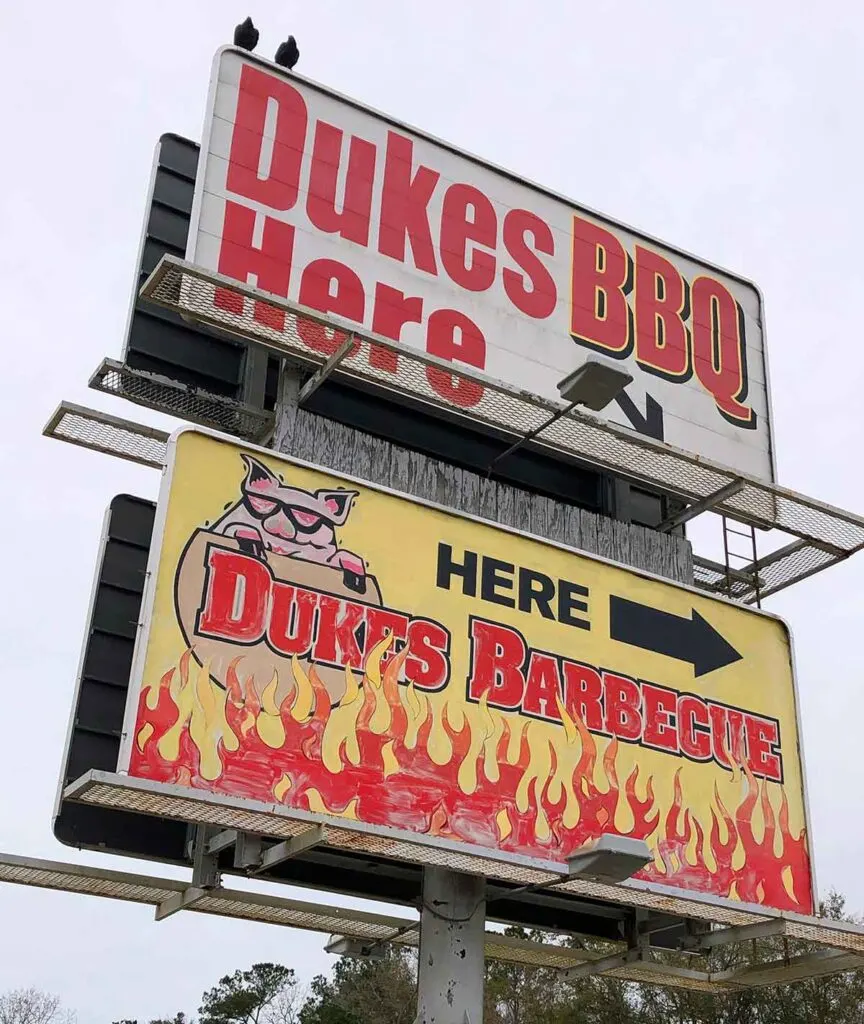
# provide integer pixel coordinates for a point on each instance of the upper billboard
(327, 203)
(334, 647)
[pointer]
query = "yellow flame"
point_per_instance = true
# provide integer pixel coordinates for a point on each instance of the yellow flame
(204, 725)
(316, 804)
(494, 732)
(537, 771)
(144, 734)
(505, 826)
(388, 757)
(282, 787)
(788, 881)
(373, 662)
(467, 776)
(439, 747)
(341, 728)
(269, 724)
(304, 697)
(416, 707)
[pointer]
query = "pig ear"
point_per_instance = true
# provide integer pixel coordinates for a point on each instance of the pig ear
(258, 477)
(337, 503)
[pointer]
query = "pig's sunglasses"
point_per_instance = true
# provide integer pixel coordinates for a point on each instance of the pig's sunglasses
(268, 507)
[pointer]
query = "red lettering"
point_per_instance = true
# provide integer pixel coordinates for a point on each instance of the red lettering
(622, 707)
(600, 316)
(763, 737)
(662, 344)
(583, 695)
(538, 301)
(291, 619)
(542, 687)
(720, 739)
(405, 200)
(441, 334)
(336, 641)
(330, 287)
(275, 186)
(427, 666)
(719, 357)
(497, 656)
(393, 309)
(468, 216)
(271, 264)
(694, 727)
(235, 605)
(660, 709)
(352, 220)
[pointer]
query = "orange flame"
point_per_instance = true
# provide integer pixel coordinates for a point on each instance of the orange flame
(389, 754)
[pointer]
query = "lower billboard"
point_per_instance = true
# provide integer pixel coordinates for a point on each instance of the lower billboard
(328, 645)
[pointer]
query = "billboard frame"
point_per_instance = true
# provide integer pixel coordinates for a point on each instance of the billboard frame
(457, 849)
(489, 165)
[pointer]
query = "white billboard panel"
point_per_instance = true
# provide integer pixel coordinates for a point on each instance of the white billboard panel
(314, 198)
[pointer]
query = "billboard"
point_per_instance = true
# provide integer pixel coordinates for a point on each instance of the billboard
(332, 646)
(319, 200)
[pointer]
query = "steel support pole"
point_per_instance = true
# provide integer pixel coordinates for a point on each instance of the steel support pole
(451, 960)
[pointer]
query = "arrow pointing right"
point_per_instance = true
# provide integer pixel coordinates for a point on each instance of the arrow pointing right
(693, 640)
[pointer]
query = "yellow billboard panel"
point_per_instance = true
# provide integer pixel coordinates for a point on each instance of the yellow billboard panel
(331, 646)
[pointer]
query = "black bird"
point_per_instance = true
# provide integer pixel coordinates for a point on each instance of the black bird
(246, 35)
(287, 55)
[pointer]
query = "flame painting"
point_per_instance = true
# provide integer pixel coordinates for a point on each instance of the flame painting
(409, 722)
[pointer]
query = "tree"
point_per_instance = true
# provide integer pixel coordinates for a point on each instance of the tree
(30, 1006)
(361, 991)
(262, 995)
(178, 1018)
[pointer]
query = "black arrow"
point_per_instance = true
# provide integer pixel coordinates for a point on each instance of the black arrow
(651, 423)
(694, 639)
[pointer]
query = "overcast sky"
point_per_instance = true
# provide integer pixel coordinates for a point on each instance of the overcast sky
(730, 129)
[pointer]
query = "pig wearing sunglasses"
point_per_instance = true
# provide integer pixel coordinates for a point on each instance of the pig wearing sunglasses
(274, 516)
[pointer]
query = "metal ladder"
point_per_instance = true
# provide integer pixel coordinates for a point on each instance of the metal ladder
(748, 533)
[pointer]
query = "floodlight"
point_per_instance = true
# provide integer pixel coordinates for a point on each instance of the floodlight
(610, 859)
(342, 945)
(594, 384)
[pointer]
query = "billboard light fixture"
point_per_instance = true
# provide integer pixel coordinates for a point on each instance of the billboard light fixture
(343, 945)
(610, 859)
(595, 384)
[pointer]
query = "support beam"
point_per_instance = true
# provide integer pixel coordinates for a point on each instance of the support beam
(323, 372)
(287, 849)
(179, 901)
(743, 933)
(451, 962)
(531, 435)
(698, 507)
(222, 841)
(607, 963)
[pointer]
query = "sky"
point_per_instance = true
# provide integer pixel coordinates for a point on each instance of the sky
(728, 129)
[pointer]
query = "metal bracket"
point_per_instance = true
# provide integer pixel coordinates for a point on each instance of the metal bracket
(287, 849)
(698, 507)
(743, 933)
(607, 963)
(179, 901)
(205, 865)
(557, 415)
(324, 371)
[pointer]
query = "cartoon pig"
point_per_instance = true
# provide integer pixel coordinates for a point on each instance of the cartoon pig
(274, 516)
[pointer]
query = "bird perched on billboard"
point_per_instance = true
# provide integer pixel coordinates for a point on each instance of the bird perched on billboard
(287, 55)
(246, 35)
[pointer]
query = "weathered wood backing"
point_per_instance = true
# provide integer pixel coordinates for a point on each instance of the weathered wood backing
(345, 450)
